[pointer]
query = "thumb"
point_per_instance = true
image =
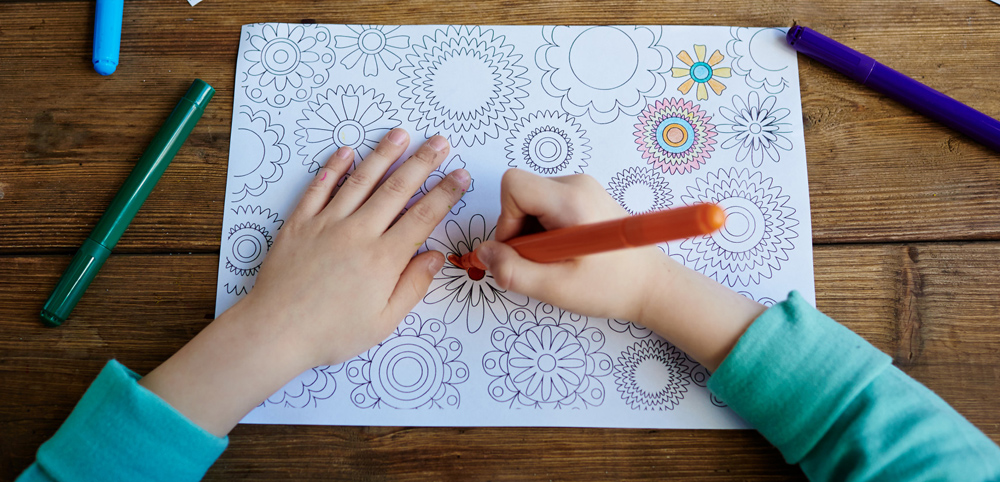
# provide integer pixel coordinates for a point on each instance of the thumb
(512, 272)
(413, 283)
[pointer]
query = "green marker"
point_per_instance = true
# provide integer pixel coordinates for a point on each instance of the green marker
(96, 248)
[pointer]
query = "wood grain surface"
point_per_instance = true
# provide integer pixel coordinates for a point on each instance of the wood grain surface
(906, 224)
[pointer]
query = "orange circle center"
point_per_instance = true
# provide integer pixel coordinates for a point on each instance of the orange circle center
(675, 135)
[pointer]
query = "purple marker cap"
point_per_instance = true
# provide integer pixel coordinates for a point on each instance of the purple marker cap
(903, 89)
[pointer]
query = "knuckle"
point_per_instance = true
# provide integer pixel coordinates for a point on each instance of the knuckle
(358, 179)
(384, 149)
(423, 213)
(397, 185)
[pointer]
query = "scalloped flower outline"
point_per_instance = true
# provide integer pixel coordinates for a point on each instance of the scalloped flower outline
(587, 85)
(288, 61)
(758, 233)
(675, 135)
(416, 367)
(258, 145)
(464, 83)
(547, 358)
(750, 62)
(640, 190)
(246, 244)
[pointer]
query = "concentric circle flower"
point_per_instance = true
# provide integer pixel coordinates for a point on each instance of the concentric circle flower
(758, 232)
(416, 367)
(464, 81)
(755, 57)
(246, 244)
(288, 62)
(349, 116)
(258, 144)
(371, 46)
(548, 143)
(701, 73)
(469, 295)
(640, 190)
(652, 375)
(675, 135)
(756, 128)
(547, 358)
(602, 71)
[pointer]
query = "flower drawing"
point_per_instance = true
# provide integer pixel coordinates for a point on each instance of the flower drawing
(758, 232)
(371, 47)
(416, 367)
(755, 129)
(464, 82)
(653, 375)
(469, 293)
(603, 71)
(547, 358)
(257, 152)
(306, 389)
(640, 190)
(246, 243)
(701, 72)
(637, 331)
(755, 57)
(675, 135)
(548, 143)
(348, 116)
(288, 61)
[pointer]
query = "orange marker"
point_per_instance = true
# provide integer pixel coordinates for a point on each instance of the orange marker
(630, 232)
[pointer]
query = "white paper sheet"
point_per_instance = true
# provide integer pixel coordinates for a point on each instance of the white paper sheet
(662, 116)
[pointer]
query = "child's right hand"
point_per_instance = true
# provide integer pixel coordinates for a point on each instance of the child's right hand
(607, 285)
(700, 316)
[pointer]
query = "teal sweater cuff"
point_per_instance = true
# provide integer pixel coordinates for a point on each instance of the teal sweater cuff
(794, 372)
(121, 431)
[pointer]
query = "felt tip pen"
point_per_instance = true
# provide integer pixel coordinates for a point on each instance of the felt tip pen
(575, 241)
(903, 89)
(107, 35)
(137, 187)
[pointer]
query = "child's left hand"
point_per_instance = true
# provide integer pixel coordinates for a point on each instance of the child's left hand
(339, 278)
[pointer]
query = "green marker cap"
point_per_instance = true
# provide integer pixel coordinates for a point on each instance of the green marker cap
(98, 245)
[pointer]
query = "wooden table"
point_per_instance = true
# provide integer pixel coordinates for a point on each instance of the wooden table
(906, 224)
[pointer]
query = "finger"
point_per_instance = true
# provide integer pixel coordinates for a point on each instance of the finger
(413, 284)
(514, 273)
(524, 194)
(360, 184)
(391, 197)
(318, 192)
(416, 225)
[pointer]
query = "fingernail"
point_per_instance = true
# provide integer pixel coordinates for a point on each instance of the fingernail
(435, 263)
(397, 136)
(485, 255)
(438, 143)
(343, 153)
(461, 175)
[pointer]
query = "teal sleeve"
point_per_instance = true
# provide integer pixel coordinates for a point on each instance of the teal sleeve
(121, 431)
(833, 403)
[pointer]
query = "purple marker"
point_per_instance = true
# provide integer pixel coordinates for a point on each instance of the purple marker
(907, 91)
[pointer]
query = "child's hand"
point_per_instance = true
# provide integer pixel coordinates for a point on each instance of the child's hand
(702, 317)
(607, 285)
(341, 275)
(338, 280)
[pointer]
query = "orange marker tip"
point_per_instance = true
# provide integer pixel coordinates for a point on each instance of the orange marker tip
(714, 217)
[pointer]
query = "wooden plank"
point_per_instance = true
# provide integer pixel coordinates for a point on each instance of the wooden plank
(932, 306)
(878, 172)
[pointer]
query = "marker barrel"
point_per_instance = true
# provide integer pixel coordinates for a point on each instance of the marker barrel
(107, 35)
(137, 187)
(641, 230)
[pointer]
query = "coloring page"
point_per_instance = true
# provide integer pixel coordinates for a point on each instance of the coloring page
(662, 116)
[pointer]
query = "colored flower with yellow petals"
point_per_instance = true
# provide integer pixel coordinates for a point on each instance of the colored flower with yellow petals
(701, 72)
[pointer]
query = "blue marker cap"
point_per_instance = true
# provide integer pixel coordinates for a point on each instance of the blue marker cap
(107, 35)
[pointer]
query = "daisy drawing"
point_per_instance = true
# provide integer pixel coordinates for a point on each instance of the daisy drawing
(470, 294)
(701, 72)
(371, 47)
(756, 129)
